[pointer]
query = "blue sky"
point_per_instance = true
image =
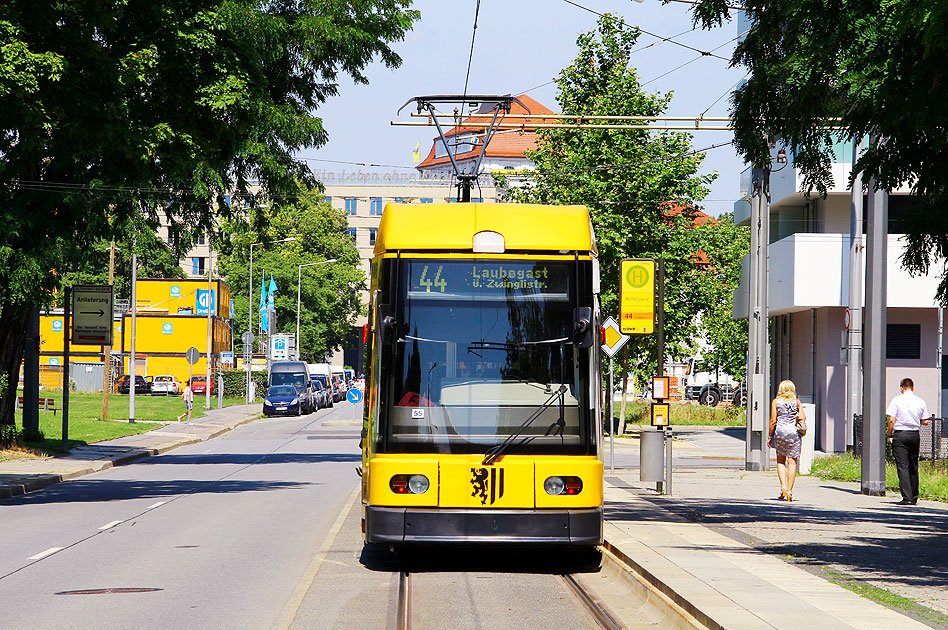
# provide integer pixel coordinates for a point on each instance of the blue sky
(521, 44)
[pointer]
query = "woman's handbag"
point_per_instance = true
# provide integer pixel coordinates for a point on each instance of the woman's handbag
(801, 426)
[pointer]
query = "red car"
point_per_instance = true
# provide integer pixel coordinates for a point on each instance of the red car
(199, 385)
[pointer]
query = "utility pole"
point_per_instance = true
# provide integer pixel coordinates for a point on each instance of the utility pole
(131, 360)
(758, 346)
(856, 277)
(873, 394)
(210, 324)
(67, 312)
(107, 350)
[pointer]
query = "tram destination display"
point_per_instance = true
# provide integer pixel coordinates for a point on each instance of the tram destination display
(549, 280)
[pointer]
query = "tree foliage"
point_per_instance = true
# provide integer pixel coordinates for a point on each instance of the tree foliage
(640, 186)
(328, 292)
(119, 112)
(867, 68)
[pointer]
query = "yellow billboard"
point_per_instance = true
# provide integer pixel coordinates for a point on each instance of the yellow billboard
(637, 296)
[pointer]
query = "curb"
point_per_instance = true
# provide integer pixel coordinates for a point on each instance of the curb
(664, 588)
(44, 480)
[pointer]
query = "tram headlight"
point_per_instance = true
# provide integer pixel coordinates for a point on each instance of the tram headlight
(409, 484)
(563, 485)
(554, 485)
(418, 484)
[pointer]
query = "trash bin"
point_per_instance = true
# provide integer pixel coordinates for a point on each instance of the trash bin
(651, 455)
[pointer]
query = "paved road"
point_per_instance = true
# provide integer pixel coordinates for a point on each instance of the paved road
(215, 535)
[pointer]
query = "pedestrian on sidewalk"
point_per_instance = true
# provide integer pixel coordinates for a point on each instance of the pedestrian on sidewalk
(907, 412)
(784, 411)
(188, 397)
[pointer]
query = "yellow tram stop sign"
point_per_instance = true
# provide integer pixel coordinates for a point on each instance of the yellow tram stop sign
(637, 296)
(613, 340)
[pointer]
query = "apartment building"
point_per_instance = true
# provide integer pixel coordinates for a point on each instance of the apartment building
(809, 245)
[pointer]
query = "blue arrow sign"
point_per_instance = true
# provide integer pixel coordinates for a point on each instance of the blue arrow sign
(354, 396)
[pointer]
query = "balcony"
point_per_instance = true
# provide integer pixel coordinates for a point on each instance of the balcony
(812, 271)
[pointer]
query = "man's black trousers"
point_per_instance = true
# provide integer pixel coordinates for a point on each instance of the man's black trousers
(905, 451)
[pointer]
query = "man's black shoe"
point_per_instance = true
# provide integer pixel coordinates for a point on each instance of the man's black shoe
(905, 502)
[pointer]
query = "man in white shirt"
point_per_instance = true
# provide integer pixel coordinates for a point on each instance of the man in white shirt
(907, 412)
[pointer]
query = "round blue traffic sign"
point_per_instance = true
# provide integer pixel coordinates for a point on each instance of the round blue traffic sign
(354, 396)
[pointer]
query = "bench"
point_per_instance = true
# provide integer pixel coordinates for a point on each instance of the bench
(46, 404)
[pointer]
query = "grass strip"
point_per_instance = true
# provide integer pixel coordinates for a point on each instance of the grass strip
(932, 475)
(686, 414)
(905, 605)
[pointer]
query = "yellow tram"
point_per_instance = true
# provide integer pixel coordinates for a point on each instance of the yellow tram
(482, 420)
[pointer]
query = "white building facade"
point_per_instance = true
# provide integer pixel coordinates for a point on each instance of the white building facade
(809, 263)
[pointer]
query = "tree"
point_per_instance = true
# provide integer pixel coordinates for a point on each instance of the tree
(329, 293)
(862, 68)
(720, 246)
(122, 111)
(640, 186)
(155, 260)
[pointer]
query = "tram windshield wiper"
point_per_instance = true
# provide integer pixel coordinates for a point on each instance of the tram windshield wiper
(494, 452)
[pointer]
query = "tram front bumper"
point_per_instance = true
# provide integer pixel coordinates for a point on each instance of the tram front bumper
(391, 525)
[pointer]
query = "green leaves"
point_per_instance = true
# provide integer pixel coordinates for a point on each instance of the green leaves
(639, 185)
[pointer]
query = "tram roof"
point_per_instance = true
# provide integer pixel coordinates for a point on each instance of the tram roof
(452, 226)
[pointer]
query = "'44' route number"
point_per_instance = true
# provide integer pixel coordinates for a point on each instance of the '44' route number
(438, 282)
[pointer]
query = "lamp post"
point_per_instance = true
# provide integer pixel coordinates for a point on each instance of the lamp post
(299, 286)
(250, 303)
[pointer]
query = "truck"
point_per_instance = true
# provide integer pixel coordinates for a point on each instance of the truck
(711, 387)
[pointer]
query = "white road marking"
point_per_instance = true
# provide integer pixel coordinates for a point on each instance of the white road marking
(110, 525)
(43, 554)
(293, 606)
(154, 505)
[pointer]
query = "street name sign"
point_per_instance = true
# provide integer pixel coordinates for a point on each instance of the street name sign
(637, 296)
(614, 339)
(91, 315)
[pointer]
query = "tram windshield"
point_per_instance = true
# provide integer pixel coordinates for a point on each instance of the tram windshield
(483, 350)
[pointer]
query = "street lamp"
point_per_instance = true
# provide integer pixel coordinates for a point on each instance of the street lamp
(299, 285)
(250, 304)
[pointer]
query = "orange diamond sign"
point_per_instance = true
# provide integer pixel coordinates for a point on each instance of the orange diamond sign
(614, 338)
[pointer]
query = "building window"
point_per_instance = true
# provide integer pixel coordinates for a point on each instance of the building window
(375, 205)
(402, 199)
(373, 232)
(197, 266)
(199, 240)
(427, 200)
(451, 200)
(903, 341)
(351, 233)
(478, 200)
(352, 205)
(327, 199)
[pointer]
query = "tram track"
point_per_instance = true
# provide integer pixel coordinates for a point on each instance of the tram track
(613, 598)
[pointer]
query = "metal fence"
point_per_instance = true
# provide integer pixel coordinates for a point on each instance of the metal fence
(933, 438)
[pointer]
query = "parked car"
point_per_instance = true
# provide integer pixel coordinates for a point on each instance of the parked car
(294, 373)
(282, 400)
(166, 384)
(142, 385)
(339, 388)
(199, 385)
(327, 388)
(320, 393)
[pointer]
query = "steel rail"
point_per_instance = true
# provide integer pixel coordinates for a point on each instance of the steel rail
(403, 609)
(599, 611)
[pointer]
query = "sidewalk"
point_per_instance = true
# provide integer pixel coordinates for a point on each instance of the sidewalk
(26, 475)
(725, 548)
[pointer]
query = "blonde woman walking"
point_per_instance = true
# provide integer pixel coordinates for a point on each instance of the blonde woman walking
(784, 411)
